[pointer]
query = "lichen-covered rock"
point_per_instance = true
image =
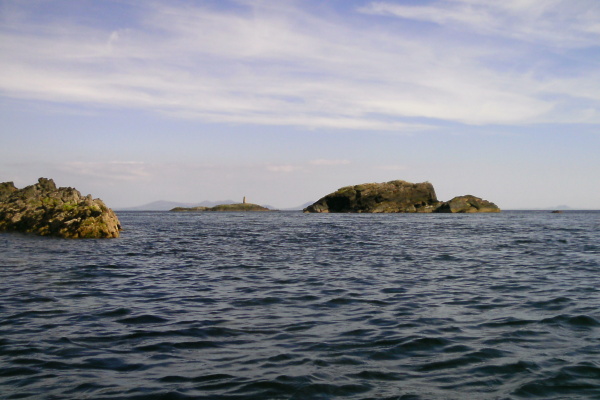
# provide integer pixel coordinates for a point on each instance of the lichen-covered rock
(467, 204)
(390, 197)
(46, 210)
(6, 190)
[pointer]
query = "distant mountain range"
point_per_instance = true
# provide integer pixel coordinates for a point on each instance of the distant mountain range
(165, 205)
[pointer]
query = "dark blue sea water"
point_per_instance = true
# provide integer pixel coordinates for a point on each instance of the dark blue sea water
(306, 306)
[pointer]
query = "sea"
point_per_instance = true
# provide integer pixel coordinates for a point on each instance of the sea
(286, 305)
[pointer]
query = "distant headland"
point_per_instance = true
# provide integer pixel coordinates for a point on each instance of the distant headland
(396, 197)
(46, 210)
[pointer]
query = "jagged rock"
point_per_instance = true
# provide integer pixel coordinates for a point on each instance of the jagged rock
(467, 204)
(390, 197)
(6, 190)
(224, 207)
(396, 197)
(46, 210)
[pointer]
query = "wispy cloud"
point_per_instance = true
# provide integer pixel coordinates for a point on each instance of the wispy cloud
(113, 170)
(329, 162)
(562, 23)
(392, 167)
(283, 168)
(281, 64)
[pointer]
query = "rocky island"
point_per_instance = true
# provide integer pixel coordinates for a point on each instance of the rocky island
(224, 207)
(46, 210)
(396, 197)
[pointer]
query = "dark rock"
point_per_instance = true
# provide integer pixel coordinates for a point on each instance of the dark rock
(396, 197)
(46, 210)
(467, 204)
(390, 197)
(6, 190)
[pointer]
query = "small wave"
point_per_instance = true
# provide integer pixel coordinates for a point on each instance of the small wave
(557, 303)
(39, 299)
(108, 363)
(578, 321)
(506, 370)
(200, 378)
(507, 322)
(580, 381)
(17, 371)
(256, 302)
(378, 376)
(299, 326)
(166, 347)
(425, 344)
(467, 359)
(447, 257)
(117, 312)
(518, 336)
(143, 319)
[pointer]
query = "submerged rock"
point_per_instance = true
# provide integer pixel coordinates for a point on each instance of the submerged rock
(396, 197)
(46, 210)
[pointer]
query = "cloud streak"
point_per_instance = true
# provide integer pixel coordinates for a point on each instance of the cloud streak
(286, 65)
(555, 23)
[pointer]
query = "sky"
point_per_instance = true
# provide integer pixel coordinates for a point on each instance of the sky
(286, 101)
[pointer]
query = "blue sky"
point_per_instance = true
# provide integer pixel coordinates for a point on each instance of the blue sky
(285, 101)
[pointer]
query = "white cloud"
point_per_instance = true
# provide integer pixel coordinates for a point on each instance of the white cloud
(286, 168)
(568, 23)
(281, 65)
(329, 162)
(392, 167)
(112, 170)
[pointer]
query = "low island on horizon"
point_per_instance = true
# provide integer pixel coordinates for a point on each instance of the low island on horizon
(243, 206)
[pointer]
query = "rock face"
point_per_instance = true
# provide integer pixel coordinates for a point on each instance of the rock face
(46, 210)
(467, 204)
(389, 197)
(396, 197)
(224, 207)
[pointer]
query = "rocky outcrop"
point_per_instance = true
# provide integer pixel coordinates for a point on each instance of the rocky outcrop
(390, 197)
(46, 210)
(6, 190)
(190, 209)
(467, 204)
(224, 207)
(396, 197)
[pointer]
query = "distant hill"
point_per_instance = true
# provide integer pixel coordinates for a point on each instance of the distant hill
(165, 205)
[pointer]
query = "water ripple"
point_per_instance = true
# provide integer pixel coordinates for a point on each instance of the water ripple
(294, 306)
